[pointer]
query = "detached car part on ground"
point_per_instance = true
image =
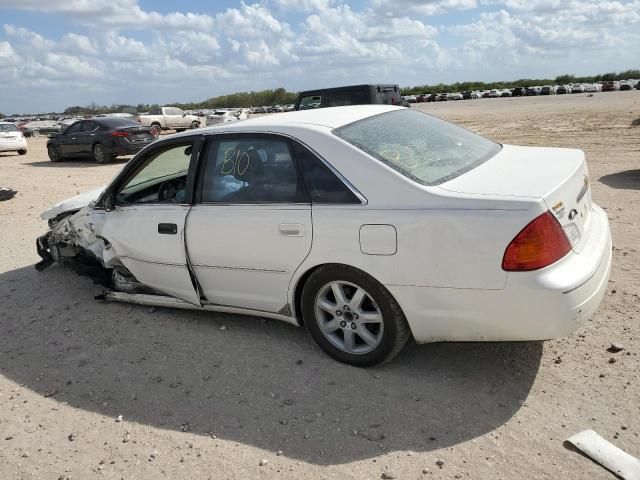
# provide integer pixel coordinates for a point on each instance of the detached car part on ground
(367, 224)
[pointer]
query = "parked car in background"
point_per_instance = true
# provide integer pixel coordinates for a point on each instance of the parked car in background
(443, 97)
(103, 139)
(505, 93)
(548, 90)
(350, 95)
(610, 86)
(494, 93)
(592, 87)
(577, 88)
(626, 86)
(12, 139)
(562, 90)
(225, 116)
(476, 94)
(533, 91)
(168, 118)
(456, 96)
(284, 217)
(39, 127)
(519, 92)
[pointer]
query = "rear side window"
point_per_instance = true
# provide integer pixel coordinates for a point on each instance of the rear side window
(322, 184)
(423, 148)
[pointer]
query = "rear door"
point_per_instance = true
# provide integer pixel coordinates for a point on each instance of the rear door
(251, 227)
(146, 227)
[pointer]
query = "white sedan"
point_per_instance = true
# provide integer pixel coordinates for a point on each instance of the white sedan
(12, 139)
(368, 224)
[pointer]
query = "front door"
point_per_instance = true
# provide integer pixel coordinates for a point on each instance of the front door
(86, 137)
(68, 145)
(251, 228)
(146, 227)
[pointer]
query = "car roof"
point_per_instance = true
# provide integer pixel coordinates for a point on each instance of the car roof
(331, 117)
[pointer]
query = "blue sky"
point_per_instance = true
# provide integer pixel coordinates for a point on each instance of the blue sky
(60, 53)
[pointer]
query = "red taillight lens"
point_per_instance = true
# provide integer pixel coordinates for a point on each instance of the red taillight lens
(538, 245)
(120, 134)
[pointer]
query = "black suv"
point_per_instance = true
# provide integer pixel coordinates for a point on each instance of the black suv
(350, 95)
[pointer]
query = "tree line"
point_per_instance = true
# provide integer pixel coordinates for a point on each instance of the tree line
(281, 96)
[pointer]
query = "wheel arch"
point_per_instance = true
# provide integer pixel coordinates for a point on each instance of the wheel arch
(301, 281)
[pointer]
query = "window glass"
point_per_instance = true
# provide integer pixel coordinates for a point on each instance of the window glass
(250, 170)
(425, 149)
(155, 111)
(74, 128)
(8, 127)
(89, 126)
(161, 179)
(322, 184)
(311, 101)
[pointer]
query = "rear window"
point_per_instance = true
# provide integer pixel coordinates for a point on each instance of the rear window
(423, 148)
(8, 127)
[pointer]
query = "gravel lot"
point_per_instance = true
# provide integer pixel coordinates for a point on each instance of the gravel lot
(201, 401)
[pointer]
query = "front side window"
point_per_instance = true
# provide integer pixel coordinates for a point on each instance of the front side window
(161, 178)
(89, 126)
(423, 148)
(250, 170)
(73, 128)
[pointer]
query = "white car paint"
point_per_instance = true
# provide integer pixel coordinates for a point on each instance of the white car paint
(11, 138)
(437, 249)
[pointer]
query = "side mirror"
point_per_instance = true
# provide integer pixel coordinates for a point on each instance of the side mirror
(184, 115)
(108, 202)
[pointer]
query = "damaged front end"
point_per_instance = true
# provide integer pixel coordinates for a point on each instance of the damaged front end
(73, 239)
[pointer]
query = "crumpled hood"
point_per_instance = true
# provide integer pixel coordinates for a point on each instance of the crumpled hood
(73, 203)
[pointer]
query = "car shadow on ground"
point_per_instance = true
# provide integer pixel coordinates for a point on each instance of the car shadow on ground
(77, 163)
(627, 179)
(261, 383)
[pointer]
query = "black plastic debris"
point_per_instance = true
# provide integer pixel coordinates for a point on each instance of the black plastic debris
(6, 194)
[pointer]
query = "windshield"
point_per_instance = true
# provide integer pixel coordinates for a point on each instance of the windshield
(423, 148)
(8, 127)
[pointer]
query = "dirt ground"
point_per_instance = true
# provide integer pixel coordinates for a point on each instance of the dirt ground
(205, 402)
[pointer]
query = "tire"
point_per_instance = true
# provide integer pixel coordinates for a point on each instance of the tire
(35, 133)
(54, 153)
(100, 154)
(195, 125)
(344, 333)
(22, 152)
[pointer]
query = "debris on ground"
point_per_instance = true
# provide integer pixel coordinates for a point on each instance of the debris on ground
(606, 454)
(7, 193)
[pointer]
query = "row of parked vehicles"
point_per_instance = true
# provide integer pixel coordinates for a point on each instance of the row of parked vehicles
(526, 91)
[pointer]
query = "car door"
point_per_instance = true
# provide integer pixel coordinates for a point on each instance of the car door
(68, 140)
(172, 119)
(146, 225)
(85, 138)
(250, 228)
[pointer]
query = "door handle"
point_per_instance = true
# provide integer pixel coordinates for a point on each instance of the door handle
(291, 229)
(167, 228)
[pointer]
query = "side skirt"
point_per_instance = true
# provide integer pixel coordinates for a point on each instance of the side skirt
(171, 302)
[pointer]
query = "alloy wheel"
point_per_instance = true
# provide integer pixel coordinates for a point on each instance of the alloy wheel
(349, 317)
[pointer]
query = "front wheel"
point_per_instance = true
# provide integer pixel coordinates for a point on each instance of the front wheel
(352, 317)
(22, 152)
(35, 133)
(155, 130)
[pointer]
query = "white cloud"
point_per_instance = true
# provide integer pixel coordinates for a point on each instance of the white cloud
(420, 7)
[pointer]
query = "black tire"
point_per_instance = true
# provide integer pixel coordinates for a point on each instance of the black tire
(54, 153)
(22, 152)
(195, 125)
(100, 154)
(395, 332)
(35, 133)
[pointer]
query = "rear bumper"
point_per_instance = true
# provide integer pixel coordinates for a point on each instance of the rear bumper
(540, 305)
(127, 149)
(6, 146)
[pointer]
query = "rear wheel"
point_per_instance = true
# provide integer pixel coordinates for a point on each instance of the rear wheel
(194, 125)
(155, 130)
(54, 153)
(100, 154)
(352, 317)
(22, 152)
(35, 133)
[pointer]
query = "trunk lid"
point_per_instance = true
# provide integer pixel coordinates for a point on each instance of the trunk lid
(558, 176)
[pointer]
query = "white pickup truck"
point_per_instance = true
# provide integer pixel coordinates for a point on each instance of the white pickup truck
(168, 118)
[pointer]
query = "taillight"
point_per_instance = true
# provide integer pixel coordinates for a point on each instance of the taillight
(120, 134)
(539, 244)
